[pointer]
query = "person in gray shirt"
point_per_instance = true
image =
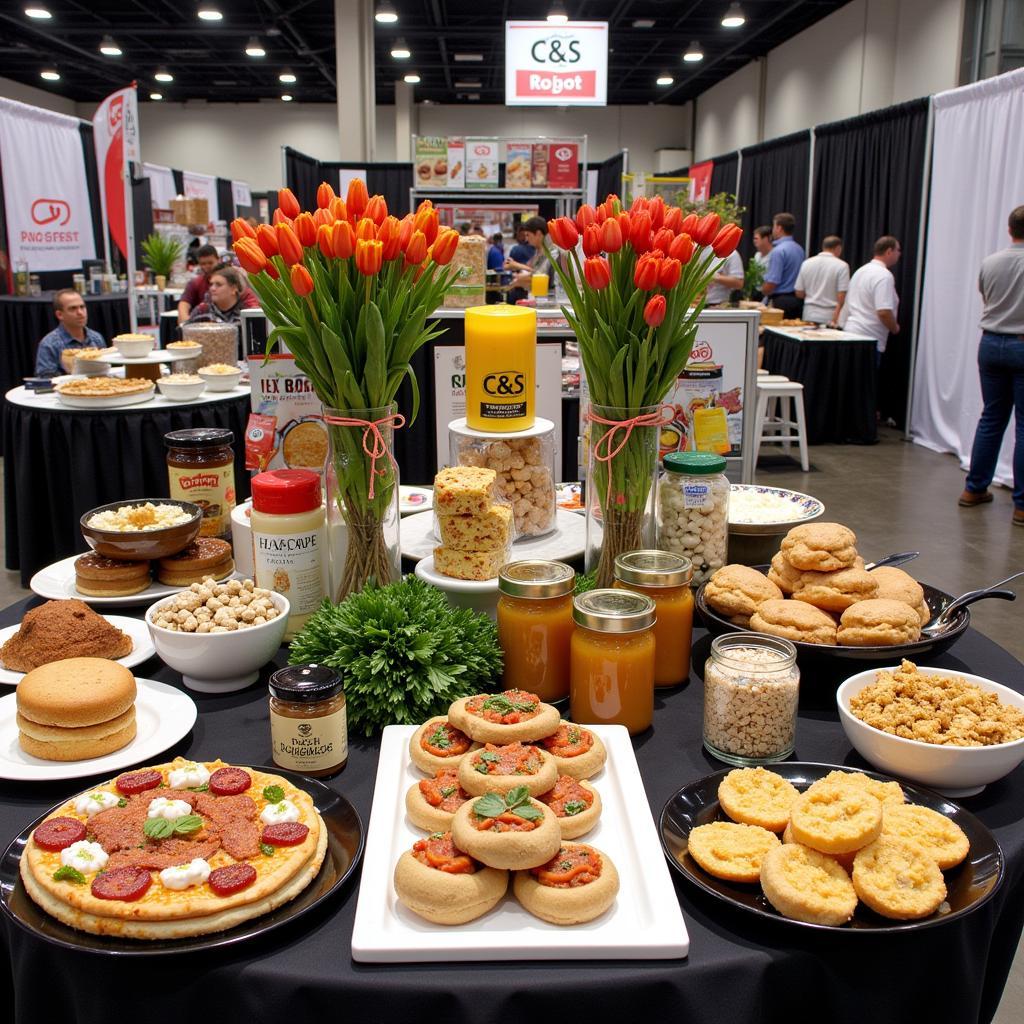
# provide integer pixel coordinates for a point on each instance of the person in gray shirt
(1001, 366)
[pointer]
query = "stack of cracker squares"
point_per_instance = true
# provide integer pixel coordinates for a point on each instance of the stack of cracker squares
(476, 531)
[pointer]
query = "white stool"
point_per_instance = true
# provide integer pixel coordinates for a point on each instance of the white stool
(771, 416)
(762, 373)
(788, 419)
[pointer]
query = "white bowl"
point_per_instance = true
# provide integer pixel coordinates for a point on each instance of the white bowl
(177, 391)
(954, 771)
(219, 662)
(477, 595)
(220, 381)
(134, 348)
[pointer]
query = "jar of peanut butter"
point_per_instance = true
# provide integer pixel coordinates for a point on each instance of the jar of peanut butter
(201, 469)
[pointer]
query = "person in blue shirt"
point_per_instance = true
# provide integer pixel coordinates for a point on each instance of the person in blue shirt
(71, 332)
(784, 262)
(522, 251)
(496, 266)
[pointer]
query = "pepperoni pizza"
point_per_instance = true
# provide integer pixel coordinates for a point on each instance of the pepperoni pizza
(176, 850)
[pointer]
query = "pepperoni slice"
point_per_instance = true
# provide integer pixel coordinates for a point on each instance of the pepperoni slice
(285, 833)
(122, 884)
(229, 781)
(232, 878)
(138, 782)
(59, 833)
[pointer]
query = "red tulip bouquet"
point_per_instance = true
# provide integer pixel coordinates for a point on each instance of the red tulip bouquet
(348, 289)
(635, 299)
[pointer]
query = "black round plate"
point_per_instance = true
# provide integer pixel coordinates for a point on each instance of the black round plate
(969, 885)
(345, 839)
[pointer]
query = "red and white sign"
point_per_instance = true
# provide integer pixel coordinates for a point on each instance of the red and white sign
(700, 181)
(556, 65)
(46, 198)
(563, 165)
(116, 135)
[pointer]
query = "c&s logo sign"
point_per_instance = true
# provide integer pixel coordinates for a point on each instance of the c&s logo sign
(566, 67)
(51, 211)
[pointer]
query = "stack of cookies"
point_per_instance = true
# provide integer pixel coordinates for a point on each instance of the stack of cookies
(476, 530)
(817, 591)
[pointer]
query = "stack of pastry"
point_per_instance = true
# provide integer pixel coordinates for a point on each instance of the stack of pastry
(476, 530)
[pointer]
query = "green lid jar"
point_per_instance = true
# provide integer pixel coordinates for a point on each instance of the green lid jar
(693, 510)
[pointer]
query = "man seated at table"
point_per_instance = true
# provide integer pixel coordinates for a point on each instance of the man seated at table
(783, 265)
(197, 287)
(229, 294)
(71, 332)
(872, 304)
(823, 282)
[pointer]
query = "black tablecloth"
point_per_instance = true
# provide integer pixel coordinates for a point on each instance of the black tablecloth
(840, 384)
(59, 464)
(739, 969)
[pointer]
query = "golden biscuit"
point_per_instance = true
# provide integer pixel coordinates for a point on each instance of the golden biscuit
(821, 547)
(844, 860)
(835, 591)
(879, 622)
(898, 879)
(731, 851)
(755, 796)
(836, 818)
(886, 793)
(737, 590)
(924, 612)
(806, 885)
(794, 620)
(896, 585)
(784, 575)
(940, 837)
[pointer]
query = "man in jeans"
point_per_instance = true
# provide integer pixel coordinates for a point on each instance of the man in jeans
(1001, 366)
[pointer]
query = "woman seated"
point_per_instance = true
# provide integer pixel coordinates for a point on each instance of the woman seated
(229, 294)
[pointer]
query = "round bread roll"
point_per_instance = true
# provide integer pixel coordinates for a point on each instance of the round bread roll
(835, 591)
(508, 850)
(794, 620)
(446, 898)
(477, 783)
(76, 692)
(821, 547)
(736, 591)
(568, 736)
(896, 585)
(425, 815)
(878, 623)
(571, 905)
(52, 743)
(535, 727)
(426, 760)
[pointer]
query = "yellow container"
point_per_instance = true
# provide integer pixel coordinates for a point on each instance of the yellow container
(501, 367)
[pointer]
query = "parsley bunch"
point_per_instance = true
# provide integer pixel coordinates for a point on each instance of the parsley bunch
(404, 652)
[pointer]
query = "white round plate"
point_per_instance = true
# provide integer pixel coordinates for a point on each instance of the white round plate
(142, 645)
(567, 540)
(57, 582)
(163, 714)
(107, 401)
(477, 595)
(154, 355)
(414, 499)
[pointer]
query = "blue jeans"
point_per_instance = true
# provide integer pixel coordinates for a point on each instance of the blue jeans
(1001, 366)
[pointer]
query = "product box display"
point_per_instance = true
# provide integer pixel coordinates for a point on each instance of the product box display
(431, 161)
(482, 163)
(456, 163)
(563, 165)
(518, 157)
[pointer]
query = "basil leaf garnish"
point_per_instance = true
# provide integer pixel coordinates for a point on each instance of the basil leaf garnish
(158, 828)
(266, 849)
(69, 874)
(491, 805)
(187, 824)
(574, 807)
(273, 794)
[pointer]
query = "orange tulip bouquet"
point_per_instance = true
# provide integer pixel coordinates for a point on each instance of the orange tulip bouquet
(635, 299)
(348, 288)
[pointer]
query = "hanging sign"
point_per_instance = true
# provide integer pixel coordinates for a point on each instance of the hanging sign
(700, 181)
(202, 186)
(556, 65)
(116, 136)
(241, 193)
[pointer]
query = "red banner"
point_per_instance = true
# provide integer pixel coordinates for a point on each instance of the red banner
(700, 181)
(115, 128)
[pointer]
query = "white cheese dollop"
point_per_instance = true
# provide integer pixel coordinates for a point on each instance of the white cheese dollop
(161, 807)
(92, 803)
(84, 856)
(188, 775)
(181, 876)
(272, 814)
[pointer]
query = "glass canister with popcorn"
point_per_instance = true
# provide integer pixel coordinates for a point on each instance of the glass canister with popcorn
(693, 510)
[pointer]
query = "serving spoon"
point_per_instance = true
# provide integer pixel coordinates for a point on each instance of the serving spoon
(899, 559)
(943, 620)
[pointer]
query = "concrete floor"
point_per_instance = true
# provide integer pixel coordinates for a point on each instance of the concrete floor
(895, 496)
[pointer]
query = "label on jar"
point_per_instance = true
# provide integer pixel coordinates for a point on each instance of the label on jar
(309, 744)
(292, 564)
(212, 489)
(696, 494)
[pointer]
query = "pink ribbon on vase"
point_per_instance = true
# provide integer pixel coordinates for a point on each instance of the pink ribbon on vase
(371, 429)
(606, 448)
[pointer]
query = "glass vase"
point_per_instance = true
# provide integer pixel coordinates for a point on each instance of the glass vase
(622, 475)
(362, 486)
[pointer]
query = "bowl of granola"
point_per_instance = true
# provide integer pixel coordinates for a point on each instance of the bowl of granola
(147, 528)
(220, 376)
(181, 387)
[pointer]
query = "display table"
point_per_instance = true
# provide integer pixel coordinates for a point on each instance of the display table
(739, 969)
(840, 382)
(61, 462)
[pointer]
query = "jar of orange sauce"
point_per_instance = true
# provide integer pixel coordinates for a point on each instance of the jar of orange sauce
(611, 676)
(535, 626)
(665, 578)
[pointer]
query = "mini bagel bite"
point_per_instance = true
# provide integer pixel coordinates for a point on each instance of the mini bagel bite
(503, 768)
(576, 804)
(431, 803)
(437, 745)
(577, 751)
(512, 831)
(577, 884)
(514, 715)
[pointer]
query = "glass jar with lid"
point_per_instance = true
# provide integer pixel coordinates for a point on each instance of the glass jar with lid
(665, 577)
(751, 696)
(308, 720)
(611, 675)
(535, 626)
(201, 469)
(693, 510)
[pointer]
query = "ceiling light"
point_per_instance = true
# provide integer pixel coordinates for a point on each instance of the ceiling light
(254, 48)
(734, 17)
(207, 12)
(693, 53)
(156, 95)
(557, 14)
(287, 97)
(468, 56)
(50, 74)
(163, 75)
(287, 76)
(643, 23)
(400, 49)
(468, 83)
(665, 79)
(109, 48)
(412, 78)
(38, 12)
(386, 14)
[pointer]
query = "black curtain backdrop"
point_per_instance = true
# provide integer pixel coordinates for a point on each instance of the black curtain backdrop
(142, 215)
(723, 176)
(868, 176)
(609, 177)
(773, 180)
(225, 200)
(392, 181)
(179, 182)
(302, 175)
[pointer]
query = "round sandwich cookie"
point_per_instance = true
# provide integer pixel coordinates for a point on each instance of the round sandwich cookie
(437, 745)
(820, 547)
(576, 804)
(96, 576)
(431, 803)
(507, 830)
(507, 767)
(577, 884)
(205, 556)
(576, 750)
(514, 715)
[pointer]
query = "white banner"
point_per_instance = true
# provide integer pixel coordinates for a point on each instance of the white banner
(116, 137)
(202, 186)
(242, 194)
(49, 219)
(556, 65)
(161, 185)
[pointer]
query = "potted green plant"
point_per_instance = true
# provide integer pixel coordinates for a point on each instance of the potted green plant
(160, 253)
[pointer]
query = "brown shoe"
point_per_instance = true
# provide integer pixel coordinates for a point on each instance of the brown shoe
(971, 498)
(1018, 517)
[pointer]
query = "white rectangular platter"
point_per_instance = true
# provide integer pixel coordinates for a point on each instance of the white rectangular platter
(645, 921)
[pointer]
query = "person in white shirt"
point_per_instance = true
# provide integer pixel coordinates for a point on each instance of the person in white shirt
(823, 282)
(762, 244)
(728, 279)
(872, 303)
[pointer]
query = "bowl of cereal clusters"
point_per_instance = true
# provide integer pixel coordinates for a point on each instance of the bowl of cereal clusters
(147, 528)
(218, 635)
(181, 387)
(220, 376)
(952, 731)
(759, 517)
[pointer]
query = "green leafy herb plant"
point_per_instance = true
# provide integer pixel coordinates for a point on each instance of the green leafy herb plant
(160, 253)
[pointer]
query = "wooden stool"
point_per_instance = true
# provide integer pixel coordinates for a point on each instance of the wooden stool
(786, 421)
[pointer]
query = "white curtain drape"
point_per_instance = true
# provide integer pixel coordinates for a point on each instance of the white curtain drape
(977, 179)
(161, 185)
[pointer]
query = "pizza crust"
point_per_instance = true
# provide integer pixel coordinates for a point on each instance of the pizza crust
(445, 898)
(544, 723)
(568, 906)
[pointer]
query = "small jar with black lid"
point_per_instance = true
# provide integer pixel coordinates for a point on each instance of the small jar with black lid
(308, 722)
(201, 469)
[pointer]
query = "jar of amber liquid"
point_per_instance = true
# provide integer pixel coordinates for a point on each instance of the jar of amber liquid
(308, 723)
(611, 675)
(535, 626)
(201, 469)
(665, 578)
